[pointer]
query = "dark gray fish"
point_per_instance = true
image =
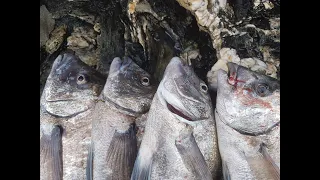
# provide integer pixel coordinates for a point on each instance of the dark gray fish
(180, 137)
(68, 97)
(127, 95)
(248, 124)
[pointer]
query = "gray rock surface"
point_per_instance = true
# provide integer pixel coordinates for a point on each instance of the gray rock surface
(46, 24)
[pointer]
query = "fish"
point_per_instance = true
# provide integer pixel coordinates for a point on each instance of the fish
(127, 95)
(248, 123)
(180, 139)
(70, 93)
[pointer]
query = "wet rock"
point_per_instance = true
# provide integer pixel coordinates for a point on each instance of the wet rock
(56, 39)
(83, 42)
(46, 24)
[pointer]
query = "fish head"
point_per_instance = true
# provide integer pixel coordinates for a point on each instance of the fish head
(248, 101)
(129, 87)
(71, 87)
(184, 93)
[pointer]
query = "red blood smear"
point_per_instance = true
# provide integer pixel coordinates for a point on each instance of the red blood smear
(250, 100)
(234, 81)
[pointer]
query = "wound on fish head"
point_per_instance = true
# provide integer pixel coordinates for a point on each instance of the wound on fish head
(183, 93)
(247, 100)
(130, 82)
(71, 86)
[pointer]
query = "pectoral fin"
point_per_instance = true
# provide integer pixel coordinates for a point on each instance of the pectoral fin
(142, 168)
(270, 161)
(225, 171)
(122, 153)
(50, 154)
(263, 166)
(90, 162)
(192, 157)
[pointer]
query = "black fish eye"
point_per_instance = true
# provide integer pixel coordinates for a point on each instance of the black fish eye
(81, 79)
(204, 87)
(262, 89)
(145, 81)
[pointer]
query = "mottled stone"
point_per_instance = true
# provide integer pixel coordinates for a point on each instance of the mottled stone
(56, 39)
(46, 24)
(247, 62)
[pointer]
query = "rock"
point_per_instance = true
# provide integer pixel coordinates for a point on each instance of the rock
(229, 55)
(212, 74)
(274, 23)
(97, 27)
(260, 63)
(190, 54)
(259, 69)
(89, 57)
(56, 39)
(268, 5)
(89, 18)
(82, 37)
(77, 42)
(247, 62)
(46, 24)
(271, 70)
(83, 41)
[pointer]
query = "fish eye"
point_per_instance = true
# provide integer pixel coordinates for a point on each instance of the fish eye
(203, 87)
(262, 89)
(145, 81)
(81, 79)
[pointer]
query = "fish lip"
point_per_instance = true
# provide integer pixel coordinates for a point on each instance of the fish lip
(123, 109)
(59, 100)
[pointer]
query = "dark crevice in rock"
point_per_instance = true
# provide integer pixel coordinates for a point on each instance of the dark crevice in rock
(207, 52)
(111, 40)
(240, 8)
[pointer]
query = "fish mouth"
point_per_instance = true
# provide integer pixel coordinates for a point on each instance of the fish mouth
(174, 110)
(60, 100)
(125, 110)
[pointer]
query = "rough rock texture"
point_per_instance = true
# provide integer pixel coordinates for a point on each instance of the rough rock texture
(46, 24)
(250, 36)
(205, 33)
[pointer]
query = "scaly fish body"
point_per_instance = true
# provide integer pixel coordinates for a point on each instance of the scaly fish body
(180, 139)
(65, 123)
(127, 95)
